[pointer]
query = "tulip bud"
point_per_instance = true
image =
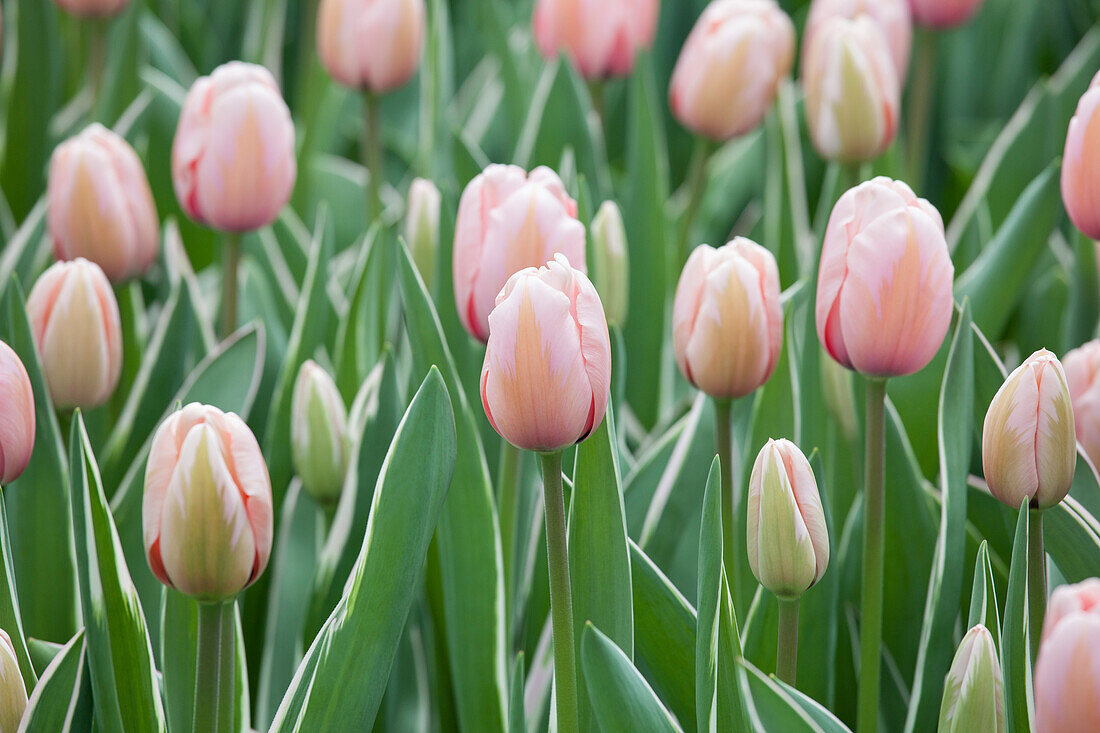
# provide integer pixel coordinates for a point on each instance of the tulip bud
(1029, 447)
(422, 227)
(233, 160)
(601, 39)
(207, 509)
(973, 693)
(727, 324)
(943, 13)
(852, 90)
(892, 17)
(1067, 683)
(91, 9)
(1082, 367)
(1080, 174)
(884, 297)
(75, 319)
(787, 537)
(13, 693)
(319, 434)
(370, 44)
(507, 221)
(611, 262)
(730, 67)
(100, 204)
(547, 371)
(17, 419)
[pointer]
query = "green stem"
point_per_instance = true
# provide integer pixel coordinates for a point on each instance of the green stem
(561, 596)
(696, 181)
(722, 410)
(852, 176)
(372, 154)
(230, 263)
(217, 653)
(595, 91)
(920, 104)
(1036, 578)
(786, 663)
(508, 501)
(97, 60)
(873, 532)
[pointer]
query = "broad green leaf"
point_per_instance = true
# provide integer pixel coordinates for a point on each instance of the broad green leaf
(1072, 537)
(984, 608)
(10, 619)
(621, 697)
(772, 706)
(24, 247)
(178, 657)
(711, 592)
(817, 712)
(517, 716)
(1015, 657)
(62, 701)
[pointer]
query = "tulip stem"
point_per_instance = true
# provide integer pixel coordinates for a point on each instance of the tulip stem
(873, 535)
(230, 262)
(920, 104)
(561, 596)
(507, 500)
(97, 61)
(786, 663)
(730, 555)
(214, 674)
(1036, 578)
(372, 154)
(696, 180)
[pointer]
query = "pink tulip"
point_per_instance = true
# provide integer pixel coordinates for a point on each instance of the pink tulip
(601, 37)
(1082, 367)
(943, 13)
(76, 325)
(884, 297)
(370, 44)
(1080, 174)
(100, 204)
(1067, 671)
(1029, 448)
(207, 509)
(547, 371)
(729, 70)
(507, 221)
(727, 324)
(17, 418)
(92, 8)
(233, 162)
(892, 17)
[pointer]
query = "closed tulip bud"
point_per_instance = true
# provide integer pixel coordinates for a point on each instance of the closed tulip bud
(508, 221)
(207, 509)
(1067, 678)
(852, 90)
(100, 204)
(91, 9)
(600, 39)
(370, 44)
(973, 693)
(1080, 174)
(727, 324)
(730, 67)
(611, 262)
(422, 227)
(17, 420)
(787, 537)
(233, 159)
(319, 434)
(13, 693)
(1028, 444)
(76, 325)
(1082, 367)
(943, 13)
(884, 297)
(547, 371)
(892, 16)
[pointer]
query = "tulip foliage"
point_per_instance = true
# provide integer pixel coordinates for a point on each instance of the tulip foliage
(476, 365)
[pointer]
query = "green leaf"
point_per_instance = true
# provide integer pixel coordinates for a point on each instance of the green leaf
(623, 700)
(62, 701)
(178, 657)
(710, 597)
(817, 712)
(772, 707)
(984, 608)
(331, 690)
(1015, 658)
(517, 716)
(24, 247)
(1072, 537)
(11, 620)
(121, 664)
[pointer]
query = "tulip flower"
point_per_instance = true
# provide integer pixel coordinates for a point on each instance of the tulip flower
(78, 332)
(507, 221)
(1082, 367)
(1080, 174)
(730, 67)
(370, 44)
(100, 204)
(13, 693)
(1066, 678)
(973, 693)
(892, 16)
(852, 89)
(422, 227)
(92, 9)
(600, 39)
(884, 297)
(17, 419)
(319, 435)
(943, 13)
(611, 262)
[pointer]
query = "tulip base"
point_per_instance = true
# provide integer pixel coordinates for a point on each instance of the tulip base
(231, 259)
(561, 594)
(873, 540)
(214, 672)
(1036, 579)
(786, 663)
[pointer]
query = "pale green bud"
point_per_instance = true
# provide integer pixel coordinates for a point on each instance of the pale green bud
(612, 262)
(973, 692)
(319, 434)
(422, 227)
(13, 693)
